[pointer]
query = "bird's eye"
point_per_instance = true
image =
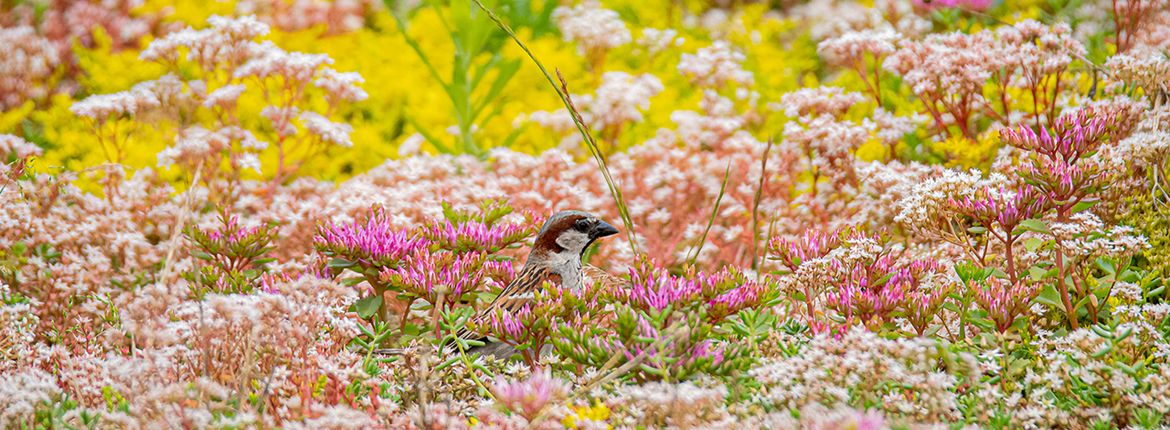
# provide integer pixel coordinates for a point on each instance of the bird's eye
(581, 225)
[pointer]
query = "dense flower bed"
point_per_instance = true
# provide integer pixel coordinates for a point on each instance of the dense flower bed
(834, 214)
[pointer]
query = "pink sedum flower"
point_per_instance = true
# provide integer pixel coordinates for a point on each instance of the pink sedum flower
(432, 275)
(472, 235)
(372, 242)
(531, 396)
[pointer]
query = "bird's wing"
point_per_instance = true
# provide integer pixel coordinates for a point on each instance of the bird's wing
(519, 292)
(593, 274)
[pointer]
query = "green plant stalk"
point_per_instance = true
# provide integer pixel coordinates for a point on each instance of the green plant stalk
(756, 206)
(590, 142)
(711, 219)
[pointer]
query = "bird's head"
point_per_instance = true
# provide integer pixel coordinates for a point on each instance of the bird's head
(570, 232)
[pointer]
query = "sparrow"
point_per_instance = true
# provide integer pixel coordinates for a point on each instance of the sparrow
(555, 258)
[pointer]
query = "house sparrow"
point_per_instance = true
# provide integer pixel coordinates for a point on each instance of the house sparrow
(555, 258)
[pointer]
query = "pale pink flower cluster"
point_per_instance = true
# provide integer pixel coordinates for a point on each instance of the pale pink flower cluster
(198, 143)
(955, 64)
(861, 364)
(671, 405)
(66, 22)
(716, 125)
(811, 102)
(818, 134)
(1156, 31)
(593, 28)
(619, 100)
(891, 128)
(337, 16)
(27, 64)
(336, 133)
(14, 146)
(268, 60)
(716, 65)
(225, 41)
(965, 4)
(1150, 142)
(828, 146)
(853, 46)
(1143, 67)
(949, 72)
(530, 397)
(1036, 49)
(224, 97)
(658, 40)
(139, 99)
(342, 86)
(832, 18)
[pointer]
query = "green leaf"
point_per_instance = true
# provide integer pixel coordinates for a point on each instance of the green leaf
(366, 307)
(1106, 350)
(1033, 243)
(1100, 331)
(1084, 204)
(340, 263)
(447, 363)
(1035, 225)
(1156, 292)
(1050, 297)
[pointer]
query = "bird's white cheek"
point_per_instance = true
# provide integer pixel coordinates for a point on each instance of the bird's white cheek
(573, 241)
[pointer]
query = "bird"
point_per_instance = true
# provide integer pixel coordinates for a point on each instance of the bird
(555, 258)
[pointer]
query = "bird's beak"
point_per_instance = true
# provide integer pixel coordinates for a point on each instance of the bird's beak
(602, 229)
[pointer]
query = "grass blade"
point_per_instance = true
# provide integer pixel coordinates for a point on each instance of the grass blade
(711, 219)
(591, 143)
(756, 207)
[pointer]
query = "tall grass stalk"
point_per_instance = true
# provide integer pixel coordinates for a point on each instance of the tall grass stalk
(591, 143)
(756, 206)
(711, 219)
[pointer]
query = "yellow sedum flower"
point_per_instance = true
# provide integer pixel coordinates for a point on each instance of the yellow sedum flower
(966, 153)
(598, 412)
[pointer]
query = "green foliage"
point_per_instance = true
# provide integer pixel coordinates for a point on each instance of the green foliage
(479, 71)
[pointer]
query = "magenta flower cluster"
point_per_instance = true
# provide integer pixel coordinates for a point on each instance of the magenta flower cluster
(369, 242)
(437, 276)
(439, 263)
(1002, 206)
(1004, 301)
(474, 235)
(720, 294)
